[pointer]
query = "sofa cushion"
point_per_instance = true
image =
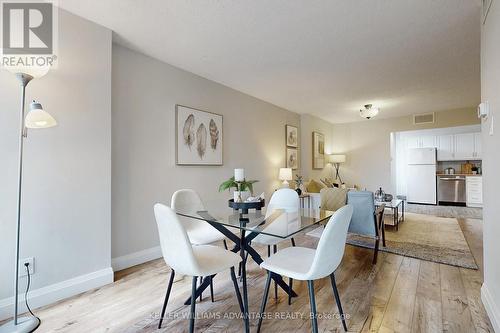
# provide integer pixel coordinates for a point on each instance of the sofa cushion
(314, 186)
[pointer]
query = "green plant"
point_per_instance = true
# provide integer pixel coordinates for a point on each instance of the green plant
(246, 185)
(299, 180)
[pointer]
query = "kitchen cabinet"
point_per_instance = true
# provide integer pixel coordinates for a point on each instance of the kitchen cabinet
(424, 141)
(459, 147)
(445, 149)
(474, 190)
(478, 150)
(464, 146)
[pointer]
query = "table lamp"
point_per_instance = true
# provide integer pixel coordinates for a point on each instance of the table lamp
(336, 160)
(285, 175)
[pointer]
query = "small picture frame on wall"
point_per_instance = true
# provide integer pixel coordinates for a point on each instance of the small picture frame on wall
(318, 150)
(198, 136)
(292, 158)
(292, 136)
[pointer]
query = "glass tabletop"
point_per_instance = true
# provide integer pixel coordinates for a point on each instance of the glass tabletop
(276, 223)
(389, 204)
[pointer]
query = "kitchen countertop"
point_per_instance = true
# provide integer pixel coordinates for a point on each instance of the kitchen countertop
(459, 174)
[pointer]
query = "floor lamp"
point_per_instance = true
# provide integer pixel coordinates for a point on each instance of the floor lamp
(35, 118)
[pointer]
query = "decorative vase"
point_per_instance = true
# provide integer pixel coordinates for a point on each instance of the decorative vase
(244, 195)
(298, 190)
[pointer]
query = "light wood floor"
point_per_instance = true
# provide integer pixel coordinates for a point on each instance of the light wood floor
(399, 294)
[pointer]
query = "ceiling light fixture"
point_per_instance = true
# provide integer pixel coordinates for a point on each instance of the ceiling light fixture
(369, 111)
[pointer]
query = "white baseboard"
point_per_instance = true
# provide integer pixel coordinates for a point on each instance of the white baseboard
(136, 258)
(491, 307)
(58, 291)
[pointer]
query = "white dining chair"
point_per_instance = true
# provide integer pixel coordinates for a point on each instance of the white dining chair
(186, 259)
(287, 200)
(199, 232)
(307, 264)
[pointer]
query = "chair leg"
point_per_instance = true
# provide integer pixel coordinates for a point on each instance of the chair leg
(383, 233)
(167, 295)
(375, 254)
(275, 249)
(211, 288)
(225, 244)
(264, 300)
(268, 251)
(193, 305)
(290, 288)
(293, 241)
(314, 320)
(337, 299)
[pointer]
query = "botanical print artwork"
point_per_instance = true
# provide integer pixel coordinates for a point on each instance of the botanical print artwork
(292, 159)
(318, 150)
(292, 136)
(198, 137)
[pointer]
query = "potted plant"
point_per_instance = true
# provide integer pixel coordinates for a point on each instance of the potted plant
(299, 181)
(245, 188)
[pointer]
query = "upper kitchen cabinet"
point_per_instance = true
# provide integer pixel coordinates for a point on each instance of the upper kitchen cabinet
(445, 149)
(478, 150)
(459, 147)
(423, 141)
(464, 146)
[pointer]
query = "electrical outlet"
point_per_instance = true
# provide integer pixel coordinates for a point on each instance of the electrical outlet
(31, 266)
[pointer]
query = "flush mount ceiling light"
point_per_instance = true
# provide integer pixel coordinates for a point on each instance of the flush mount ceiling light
(368, 112)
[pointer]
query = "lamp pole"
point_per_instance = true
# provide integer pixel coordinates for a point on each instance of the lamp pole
(24, 80)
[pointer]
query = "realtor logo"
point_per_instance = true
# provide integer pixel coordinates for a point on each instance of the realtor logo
(28, 33)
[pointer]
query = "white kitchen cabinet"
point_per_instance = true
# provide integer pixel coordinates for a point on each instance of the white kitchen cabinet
(424, 141)
(464, 146)
(478, 150)
(474, 190)
(445, 147)
(428, 141)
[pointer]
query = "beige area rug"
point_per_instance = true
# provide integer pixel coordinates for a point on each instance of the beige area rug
(426, 237)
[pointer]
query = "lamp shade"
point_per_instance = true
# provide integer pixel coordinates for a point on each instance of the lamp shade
(285, 174)
(34, 71)
(37, 117)
(336, 158)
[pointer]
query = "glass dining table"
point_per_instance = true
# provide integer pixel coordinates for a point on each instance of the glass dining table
(242, 227)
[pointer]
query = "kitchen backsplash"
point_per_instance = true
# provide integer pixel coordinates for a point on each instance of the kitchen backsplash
(457, 165)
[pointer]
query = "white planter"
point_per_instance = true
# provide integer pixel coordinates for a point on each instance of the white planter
(244, 195)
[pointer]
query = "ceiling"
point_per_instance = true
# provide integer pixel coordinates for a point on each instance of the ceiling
(325, 57)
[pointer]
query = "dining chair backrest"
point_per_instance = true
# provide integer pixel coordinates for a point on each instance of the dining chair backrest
(331, 246)
(285, 199)
(188, 202)
(175, 245)
(363, 217)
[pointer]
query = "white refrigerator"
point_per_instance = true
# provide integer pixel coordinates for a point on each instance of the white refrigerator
(421, 174)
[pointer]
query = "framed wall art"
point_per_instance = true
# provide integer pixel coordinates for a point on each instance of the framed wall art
(199, 137)
(318, 150)
(292, 158)
(292, 136)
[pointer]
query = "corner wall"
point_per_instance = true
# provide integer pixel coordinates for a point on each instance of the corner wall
(66, 220)
(490, 83)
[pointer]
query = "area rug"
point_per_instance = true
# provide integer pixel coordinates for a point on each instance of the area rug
(425, 237)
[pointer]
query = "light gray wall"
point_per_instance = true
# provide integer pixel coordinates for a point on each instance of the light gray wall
(490, 83)
(367, 145)
(144, 95)
(308, 125)
(67, 176)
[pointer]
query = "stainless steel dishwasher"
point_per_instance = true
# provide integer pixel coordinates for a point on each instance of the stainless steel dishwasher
(451, 190)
